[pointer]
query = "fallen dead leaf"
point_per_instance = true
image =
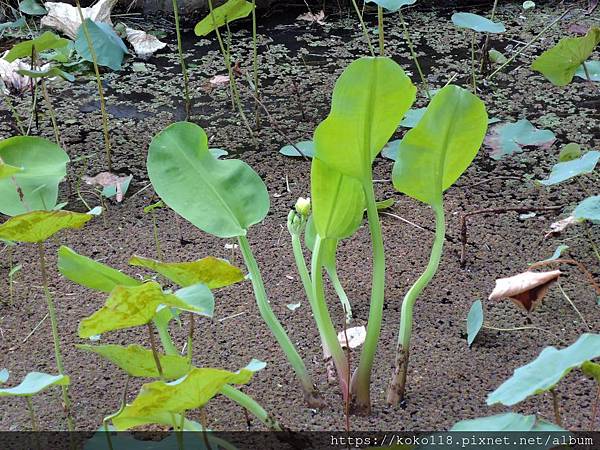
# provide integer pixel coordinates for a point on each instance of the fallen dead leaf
(219, 80)
(13, 80)
(107, 179)
(144, 44)
(65, 18)
(310, 17)
(559, 226)
(526, 289)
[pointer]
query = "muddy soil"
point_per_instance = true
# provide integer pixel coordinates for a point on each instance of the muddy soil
(448, 381)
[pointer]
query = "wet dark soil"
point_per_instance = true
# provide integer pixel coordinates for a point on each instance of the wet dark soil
(448, 381)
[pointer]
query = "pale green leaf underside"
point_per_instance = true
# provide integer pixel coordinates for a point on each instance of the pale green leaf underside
(569, 169)
(474, 321)
(478, 23)
(543, 373)
(588, 209)
(505, 422)
(33, 383)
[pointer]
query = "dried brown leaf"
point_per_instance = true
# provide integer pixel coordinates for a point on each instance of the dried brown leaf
(65, 18)
(526, 289)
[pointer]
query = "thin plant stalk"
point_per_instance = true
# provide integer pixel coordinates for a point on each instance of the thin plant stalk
(529, 44)
(310, 392)
(248, 403)
(33, 107)
(364, 28)
(414, 54)
(105, 131)
(323, 319)
(380, 31)
(156, 238)
(190, 340)
(55, 335)
(255, 66)
(184, 73)
(484, 53)
(50, 111)
(361, 379)
(107, 419)
(397, 386)
(226, 58)
(573, 306)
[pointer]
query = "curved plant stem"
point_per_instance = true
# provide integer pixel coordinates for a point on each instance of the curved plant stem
(226, 57)
(107, 419)
(34, 426)
(310, 393)
(380, 31)
(364, 28)
(556, 406)
(341, 293)
(528, 327)
(361, 379)
(248, 403)
(88, 38)
(397, 387)
(186, 81)
(55, 335)
(571, 262)
(323, 319)
(414, 54)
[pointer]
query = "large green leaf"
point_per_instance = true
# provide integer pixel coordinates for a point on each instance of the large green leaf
(506, 422)
(478, 23)
(560, 63)
(588, 209)
(138, 361)
(109, 47)
(37, 226)
(435, 153)
(337, 200)
(213, 272)
(162, 418)
(369, 99)
(43, 166)
(221, 197)
(569, 169)
(129, 307)
(33, 383)
(228, 12)
(192, 391)
(45, 41)
(91, 274)
(544, 372)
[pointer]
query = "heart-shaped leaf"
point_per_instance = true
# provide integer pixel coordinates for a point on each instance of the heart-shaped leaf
(129, 307)
(33, 383)
(109, 47)
(566, 170)
(560, 63)
(213, 272)
(42, 166)
(306, 147)
(138, 361)
(370, 98)
(221, 197)
(192, 391)
(37, 226)
(226, 13)
(91, 274)
(543, 373)
(478, 23)
(508, 138)
(506, 422)
(435, 153)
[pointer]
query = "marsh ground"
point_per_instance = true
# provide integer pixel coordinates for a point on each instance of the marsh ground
(299, 62)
